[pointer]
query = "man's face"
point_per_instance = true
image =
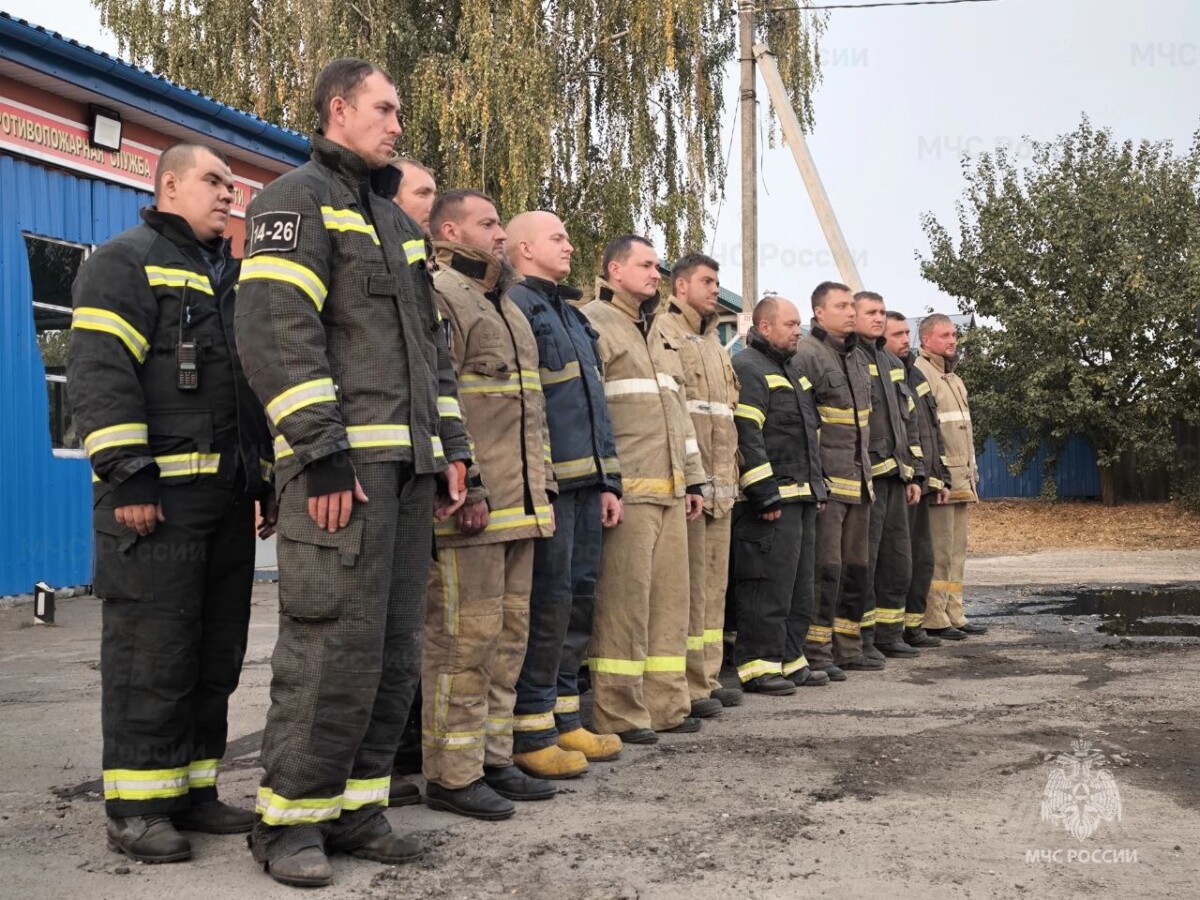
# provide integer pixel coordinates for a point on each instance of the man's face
(869, 318)
(942, 341)
(201, 194)
(368, 122)
(836, 315)
(417, 192)
(781, 328)
(899, 342)
(638, 274)
(478, 226)
(547, 250)
(699, 290)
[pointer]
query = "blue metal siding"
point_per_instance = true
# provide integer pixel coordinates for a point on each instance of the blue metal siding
(45, 502)
(1078, 476)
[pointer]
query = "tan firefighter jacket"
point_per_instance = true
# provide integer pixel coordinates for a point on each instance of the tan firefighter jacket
(647, 399)
(954, 426)
(501, 399)
(841, 388)
(712, 394)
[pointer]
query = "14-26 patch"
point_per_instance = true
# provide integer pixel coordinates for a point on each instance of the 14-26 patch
(277, 232)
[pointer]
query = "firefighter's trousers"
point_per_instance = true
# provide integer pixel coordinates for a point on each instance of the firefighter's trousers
(889, 564)
(835, 634)
(922, 563)
(774, 579)
(175, 613)
(565, 569)
(708, 566)
(639, 635)
(346, 663)
(948, 530)
(476, 631)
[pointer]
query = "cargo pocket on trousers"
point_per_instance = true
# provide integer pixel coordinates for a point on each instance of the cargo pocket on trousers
(752, 552)
(319, 566)
(119, 571)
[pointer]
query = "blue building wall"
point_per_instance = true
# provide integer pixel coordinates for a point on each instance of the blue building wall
(45, 502)
(1077, 478)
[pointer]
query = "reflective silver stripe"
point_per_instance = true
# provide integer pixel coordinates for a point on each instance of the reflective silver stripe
(296, 398)
(569, 372)
(954, 415)
(273, 268)
(91, 318)
(691, 445)
(668, 382)
(178, 278)
(414, 251)
(622, 387)
(710, 408)
(448, 408)
(124, 435)
(182, 465)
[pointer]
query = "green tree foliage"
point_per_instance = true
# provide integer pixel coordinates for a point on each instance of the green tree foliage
(608, 111)
(1087, 257)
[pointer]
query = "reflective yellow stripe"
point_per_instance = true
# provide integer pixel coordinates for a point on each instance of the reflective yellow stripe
(183, 465)
(347, 220)
(916, 451)
(897, 375)
(448, 408)
(566, 705)
(873, 370)
(294, 399)
(864, 416)
(844, 487)
(367, 437)
(453, 740)
(714, 635)
(787, 491)
(695, 642)
(656, 487)
(805, 383)
(886, 616)
(447, 564)
(612, 466)
(666, 664)
(907, 472)
(756, 668)
(277, 810)
(911, 405)
(836, 415)
(145, 784)
(949, 587)
(883, 468)
(89, 318)
(533, 722)
(819, 634)
(601, 666)
(846, 626)
(124, 435)
(501, 520)
(473, 383)
(922, 388)
(202, 773)
(557, 376)
(868, 619)
(362, 792)
(755, 475)
(266, 469)
(913, 620)
(496, 726)
(273, 268)
(414, 251)
(746, 411)
(178, 278)
(779, 383)
(795, 665)
(575, 468)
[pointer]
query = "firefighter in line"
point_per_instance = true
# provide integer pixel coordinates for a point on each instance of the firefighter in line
(338, 332)
(897, 473)
(842, 391)
(549, 740)
(933, 489)
(691, 322)
(944, 616)
(775, 523)
(179, 451)
(639, 635)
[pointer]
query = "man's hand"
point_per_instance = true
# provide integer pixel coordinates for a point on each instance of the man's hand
(943, 497)
(451, 492)
(268, 512)
(140, 517)
(612, 510)
(472, 518)
(695, 507)
(912, 493)
(332, 511)
(821, 507)
(772, 516)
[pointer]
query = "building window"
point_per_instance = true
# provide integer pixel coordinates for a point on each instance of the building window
(52, 268)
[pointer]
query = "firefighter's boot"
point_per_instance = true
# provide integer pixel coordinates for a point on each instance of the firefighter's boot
(552, 762)
(595, 747)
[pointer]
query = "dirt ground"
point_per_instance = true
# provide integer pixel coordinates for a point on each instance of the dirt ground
(925, 781)
(1026, 526)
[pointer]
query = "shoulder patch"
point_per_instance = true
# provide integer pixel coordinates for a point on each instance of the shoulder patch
(275, 232)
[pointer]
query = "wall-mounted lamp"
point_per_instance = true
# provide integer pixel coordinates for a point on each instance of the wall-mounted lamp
(104, 129)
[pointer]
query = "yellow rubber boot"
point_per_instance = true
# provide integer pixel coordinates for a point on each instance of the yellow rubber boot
(596, 747)
(551, 762)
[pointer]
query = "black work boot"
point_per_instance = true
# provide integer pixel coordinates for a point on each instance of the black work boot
(148, 839)
(706, 708)
(916, 637)
(477, 800)
(972, 628)
(835, 673)
(772, 685)
(391, 849)
(729, 696)
(947, 634)
(864, 664)
(403, 792)
(513, 784)
(215, 817)
(687, 726)
(806, 677)
(304, 868)
(869, 651)
(898, 649)
(638, 736)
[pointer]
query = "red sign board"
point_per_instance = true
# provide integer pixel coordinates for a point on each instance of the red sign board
(53, 139)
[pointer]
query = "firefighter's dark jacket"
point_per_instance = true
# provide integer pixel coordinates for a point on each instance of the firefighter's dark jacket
(937, 476)
(581, 433)
(338, 329)
(135, 300)
(779, 458)
(895, 448)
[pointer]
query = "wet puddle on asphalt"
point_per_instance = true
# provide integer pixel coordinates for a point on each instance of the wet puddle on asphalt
(1156, 612)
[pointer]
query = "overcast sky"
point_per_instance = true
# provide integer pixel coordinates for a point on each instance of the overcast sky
(906, 91)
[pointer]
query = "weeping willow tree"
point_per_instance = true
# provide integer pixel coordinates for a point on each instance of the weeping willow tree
(606, 111)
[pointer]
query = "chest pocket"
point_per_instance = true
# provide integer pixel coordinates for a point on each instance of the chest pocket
(550, 354)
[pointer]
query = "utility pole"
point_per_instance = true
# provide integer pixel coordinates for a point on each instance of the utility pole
(749, 107)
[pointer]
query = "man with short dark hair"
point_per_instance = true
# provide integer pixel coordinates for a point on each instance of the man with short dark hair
(180, 451)
(639, 637)
(339, 334)
(691, 322)
(417, 192)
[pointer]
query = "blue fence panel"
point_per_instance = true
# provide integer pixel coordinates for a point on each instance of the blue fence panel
(45, 501)
(1077, 478)
(1078, 472)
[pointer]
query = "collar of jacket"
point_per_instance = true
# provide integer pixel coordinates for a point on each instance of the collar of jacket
(757, 342)
(478, 265)
(697, 323)
(550, 289)
(353, 169)
(177, 230)
(642, 312)
(943, 365)
(843, 347)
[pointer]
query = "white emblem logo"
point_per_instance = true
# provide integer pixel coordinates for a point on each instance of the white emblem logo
(1079, 795)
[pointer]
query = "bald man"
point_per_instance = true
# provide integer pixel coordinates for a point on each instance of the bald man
(548, 735)
(774, 527)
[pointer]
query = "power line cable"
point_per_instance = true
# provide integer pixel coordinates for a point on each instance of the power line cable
(798, 8)
(728, 150)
